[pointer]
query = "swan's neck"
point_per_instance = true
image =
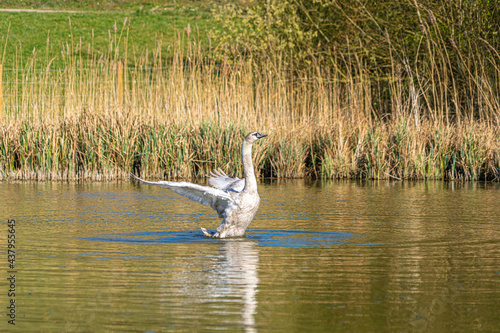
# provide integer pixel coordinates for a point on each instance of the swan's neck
(250, 181)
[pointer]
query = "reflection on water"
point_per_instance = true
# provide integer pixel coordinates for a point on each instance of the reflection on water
(320, 256)
(238, 265)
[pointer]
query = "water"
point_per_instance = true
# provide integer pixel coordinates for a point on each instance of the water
(319, 257)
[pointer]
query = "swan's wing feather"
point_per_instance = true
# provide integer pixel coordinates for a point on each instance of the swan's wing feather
(220, 180)
(236, 186)
(217, 199)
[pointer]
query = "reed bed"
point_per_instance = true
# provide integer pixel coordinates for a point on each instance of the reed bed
(178, 114)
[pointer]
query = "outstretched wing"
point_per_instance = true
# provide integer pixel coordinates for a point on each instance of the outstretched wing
(217, 199)
(220, 180)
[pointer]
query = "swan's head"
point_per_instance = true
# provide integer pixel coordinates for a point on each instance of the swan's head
(253, 136)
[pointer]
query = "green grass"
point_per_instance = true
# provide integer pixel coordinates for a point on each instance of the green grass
(107, 5)
(29, 31)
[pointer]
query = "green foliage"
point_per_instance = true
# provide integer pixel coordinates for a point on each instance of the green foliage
(267, 28)
(311, 30)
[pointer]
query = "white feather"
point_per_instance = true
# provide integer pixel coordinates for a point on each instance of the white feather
(217, 199)
(220, 180)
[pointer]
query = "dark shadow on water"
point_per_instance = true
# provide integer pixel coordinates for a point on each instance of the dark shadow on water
(282, 238)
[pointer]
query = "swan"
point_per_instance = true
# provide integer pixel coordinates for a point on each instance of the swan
(235, 200)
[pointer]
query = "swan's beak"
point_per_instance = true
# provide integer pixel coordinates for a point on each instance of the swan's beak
(260, 136)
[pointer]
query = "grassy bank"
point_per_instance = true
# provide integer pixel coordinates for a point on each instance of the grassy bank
(108, 5)
(47, 34)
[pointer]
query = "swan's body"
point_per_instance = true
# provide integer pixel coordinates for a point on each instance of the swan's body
(235, 200)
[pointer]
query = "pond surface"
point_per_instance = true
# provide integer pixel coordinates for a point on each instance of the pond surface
(319, 257)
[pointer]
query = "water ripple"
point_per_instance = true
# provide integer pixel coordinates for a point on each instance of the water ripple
(282, 238)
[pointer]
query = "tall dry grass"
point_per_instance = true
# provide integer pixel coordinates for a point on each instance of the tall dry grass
(179, 114)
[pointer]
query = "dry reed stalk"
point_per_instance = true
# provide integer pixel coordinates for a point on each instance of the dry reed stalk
(180, 114)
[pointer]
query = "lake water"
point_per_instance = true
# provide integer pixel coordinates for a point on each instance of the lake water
(319, 257)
